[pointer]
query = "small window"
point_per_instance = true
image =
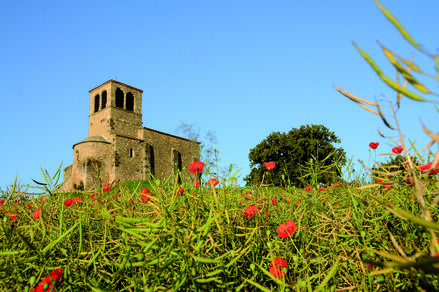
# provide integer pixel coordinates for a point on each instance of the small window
(104, 99)
(96, 102)
(131, 153)
(119, 98)
(130, 102)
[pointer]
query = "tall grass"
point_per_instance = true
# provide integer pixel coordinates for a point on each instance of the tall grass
(200, 239)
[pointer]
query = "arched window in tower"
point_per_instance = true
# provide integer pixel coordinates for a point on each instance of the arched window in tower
(130, 102)
(119, 98)
(131, 153)
(104, 99)
(96, 102)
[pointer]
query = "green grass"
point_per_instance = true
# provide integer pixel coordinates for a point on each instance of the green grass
(188, 242)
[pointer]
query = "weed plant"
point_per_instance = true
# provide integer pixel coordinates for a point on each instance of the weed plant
(152, 236)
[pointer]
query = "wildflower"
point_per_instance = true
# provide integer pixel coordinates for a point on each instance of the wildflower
(308, 188)
(251, 211)
(426, 167)
(397, 150)
(76, 201)
(37, 213)
(145, 191)
(145, 198)
(269, 165)
(12, 215)
(285, 230)
(55, 275)
(274, 201)
(380, 181)
(374, 145)
(68, 202)
(2, 201)
(213, 182)
(106, 187)
(278, 267)
(197, 184)
(409, 180)
(181, 190)
(196, 167)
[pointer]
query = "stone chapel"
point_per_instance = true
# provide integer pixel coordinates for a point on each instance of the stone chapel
(119, 148)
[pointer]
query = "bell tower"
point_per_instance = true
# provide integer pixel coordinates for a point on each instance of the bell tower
(115, 109)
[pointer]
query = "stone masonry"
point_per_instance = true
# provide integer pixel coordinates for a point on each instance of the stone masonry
(119, 148)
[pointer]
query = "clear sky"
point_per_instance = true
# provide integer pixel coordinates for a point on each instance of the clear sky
(242, 69)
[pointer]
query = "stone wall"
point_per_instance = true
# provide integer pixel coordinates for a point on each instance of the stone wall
(99, 124)
(124, 122)
(164, 146)
(86, 156)
(130, 154)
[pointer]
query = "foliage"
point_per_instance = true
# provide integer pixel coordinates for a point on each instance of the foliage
(309, 146)
(424, 186)
(184, 240)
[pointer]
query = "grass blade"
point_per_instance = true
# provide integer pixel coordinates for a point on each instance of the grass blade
(397, 24)
(328, 276)
(386, 79)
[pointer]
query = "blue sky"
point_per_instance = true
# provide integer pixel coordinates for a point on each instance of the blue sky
(242, 69)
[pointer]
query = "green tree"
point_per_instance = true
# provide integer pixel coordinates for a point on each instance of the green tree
(297, 154)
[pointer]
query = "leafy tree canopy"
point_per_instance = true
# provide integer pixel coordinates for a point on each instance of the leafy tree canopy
(302, 156)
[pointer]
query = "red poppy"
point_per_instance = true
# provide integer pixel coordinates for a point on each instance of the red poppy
(37, 213)
(274, 201)
(76, 200)
(308, 188)
(196, 167)
(213, 182)
(409, 180)
(251, 211)
(145, 198)
(269, 165)
(380, 181)
(145, 191)
(197, 184)
(55, 275)
(323, 189)
(426, 167)
(12, 215)
(397, 150)
(278, 267)
(68, 202)
(285, 230)
(2, 201)
(374, 145)
(181, 190)
(106, 187)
